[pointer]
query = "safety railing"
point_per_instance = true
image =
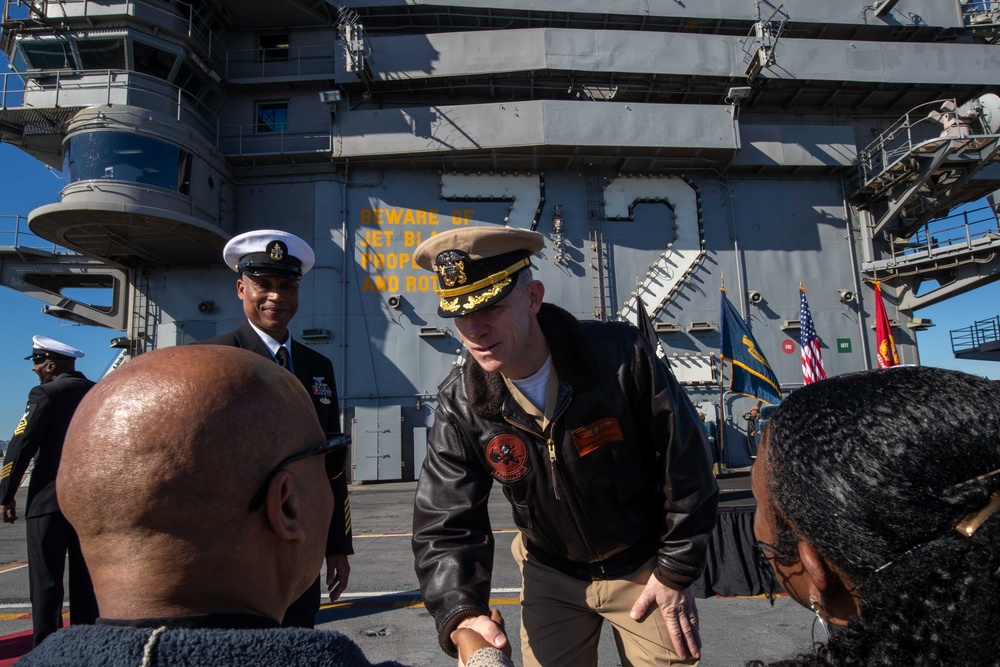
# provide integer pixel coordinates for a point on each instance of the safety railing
(980, 14)
(251, 139)
(14, 233)
(280, 62)
(195, 22)
(965, 230)
(969, 339)
(11, 91)
(902, 138)
(18, 10)
(67, 88)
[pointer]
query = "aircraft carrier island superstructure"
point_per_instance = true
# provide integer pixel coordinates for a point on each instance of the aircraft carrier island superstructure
(661, 146)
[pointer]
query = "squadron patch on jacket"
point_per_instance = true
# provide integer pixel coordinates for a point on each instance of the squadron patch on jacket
(508, 457)
(321, 389)
(601, 432)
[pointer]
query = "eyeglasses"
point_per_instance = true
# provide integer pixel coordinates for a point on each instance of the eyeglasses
(765, 553)
(334, 450)
(764, 569)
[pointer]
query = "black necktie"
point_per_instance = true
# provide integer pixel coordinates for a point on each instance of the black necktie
(282, 356)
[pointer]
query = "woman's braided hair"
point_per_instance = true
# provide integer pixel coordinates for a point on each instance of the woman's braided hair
(876, 469)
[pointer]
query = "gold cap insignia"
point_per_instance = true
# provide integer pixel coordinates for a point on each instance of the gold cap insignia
(450, 266)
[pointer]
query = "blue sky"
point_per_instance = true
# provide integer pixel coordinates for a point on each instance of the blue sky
(26, 184)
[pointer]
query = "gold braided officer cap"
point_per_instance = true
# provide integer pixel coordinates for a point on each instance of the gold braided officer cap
(476, 266)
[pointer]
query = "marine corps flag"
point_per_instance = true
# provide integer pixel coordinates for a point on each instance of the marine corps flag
(887, 356)
(750, 373)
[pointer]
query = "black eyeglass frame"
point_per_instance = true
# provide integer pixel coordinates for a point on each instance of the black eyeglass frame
(765, 553)
(336, 446)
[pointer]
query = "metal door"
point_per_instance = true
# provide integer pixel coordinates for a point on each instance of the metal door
(377, 444)
(419, 450)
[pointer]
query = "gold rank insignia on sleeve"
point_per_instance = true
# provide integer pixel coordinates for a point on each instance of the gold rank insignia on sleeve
(21, 425)
(5, 473)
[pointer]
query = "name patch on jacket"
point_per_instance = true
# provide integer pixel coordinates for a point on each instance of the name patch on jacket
(508, 457)
(592, 436)
(322, 390)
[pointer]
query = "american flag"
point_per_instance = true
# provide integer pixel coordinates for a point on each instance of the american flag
(812, 358)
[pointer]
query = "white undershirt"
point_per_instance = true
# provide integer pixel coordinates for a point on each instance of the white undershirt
(273, 345)
(534, 386)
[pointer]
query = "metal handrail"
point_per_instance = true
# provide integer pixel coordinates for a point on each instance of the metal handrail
(970, 338)
(233, 140)
(899, 140)
(199, 27)
(963, 231)
(57, 82)
(293, 61)
(15, 229)
(16, 16)
(979, 14)
(246, 139)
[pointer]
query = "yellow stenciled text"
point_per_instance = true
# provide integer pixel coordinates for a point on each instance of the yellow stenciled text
(387, 260)
(398, 216)
(377, 247)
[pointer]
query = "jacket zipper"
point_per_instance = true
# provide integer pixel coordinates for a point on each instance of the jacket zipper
(549, 442)
(552, 452)
(553, 468)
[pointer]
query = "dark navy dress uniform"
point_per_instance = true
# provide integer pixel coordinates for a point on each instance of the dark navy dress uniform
(40, 435)
(277, 253)
(315, 372)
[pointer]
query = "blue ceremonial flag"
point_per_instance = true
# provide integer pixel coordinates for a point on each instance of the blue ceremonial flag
(750, 373)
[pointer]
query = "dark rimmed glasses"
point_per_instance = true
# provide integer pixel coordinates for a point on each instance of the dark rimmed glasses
(768, 579)
(334, 451)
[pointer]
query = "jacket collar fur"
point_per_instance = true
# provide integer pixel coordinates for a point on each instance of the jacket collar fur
(564, 334)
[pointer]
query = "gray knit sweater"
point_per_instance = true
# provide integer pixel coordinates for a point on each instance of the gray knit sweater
(116, 646)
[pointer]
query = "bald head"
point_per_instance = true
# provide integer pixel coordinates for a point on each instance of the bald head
(163, 456)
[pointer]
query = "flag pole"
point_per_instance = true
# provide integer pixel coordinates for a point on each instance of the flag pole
(720, 467)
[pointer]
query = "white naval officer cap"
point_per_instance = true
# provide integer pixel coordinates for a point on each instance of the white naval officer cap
(269, 252)
(43, 347)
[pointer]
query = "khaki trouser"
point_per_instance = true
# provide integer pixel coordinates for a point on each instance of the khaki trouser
(561, 617)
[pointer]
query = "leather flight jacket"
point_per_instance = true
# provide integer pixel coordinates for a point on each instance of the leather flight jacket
(622, 472)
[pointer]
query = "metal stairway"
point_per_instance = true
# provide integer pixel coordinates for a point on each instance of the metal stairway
(910, 184)
(142, 327)
(913, 173)
(983, 19)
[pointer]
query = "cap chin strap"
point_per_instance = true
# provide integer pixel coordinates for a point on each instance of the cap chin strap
(257, 270)
(497, 277)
